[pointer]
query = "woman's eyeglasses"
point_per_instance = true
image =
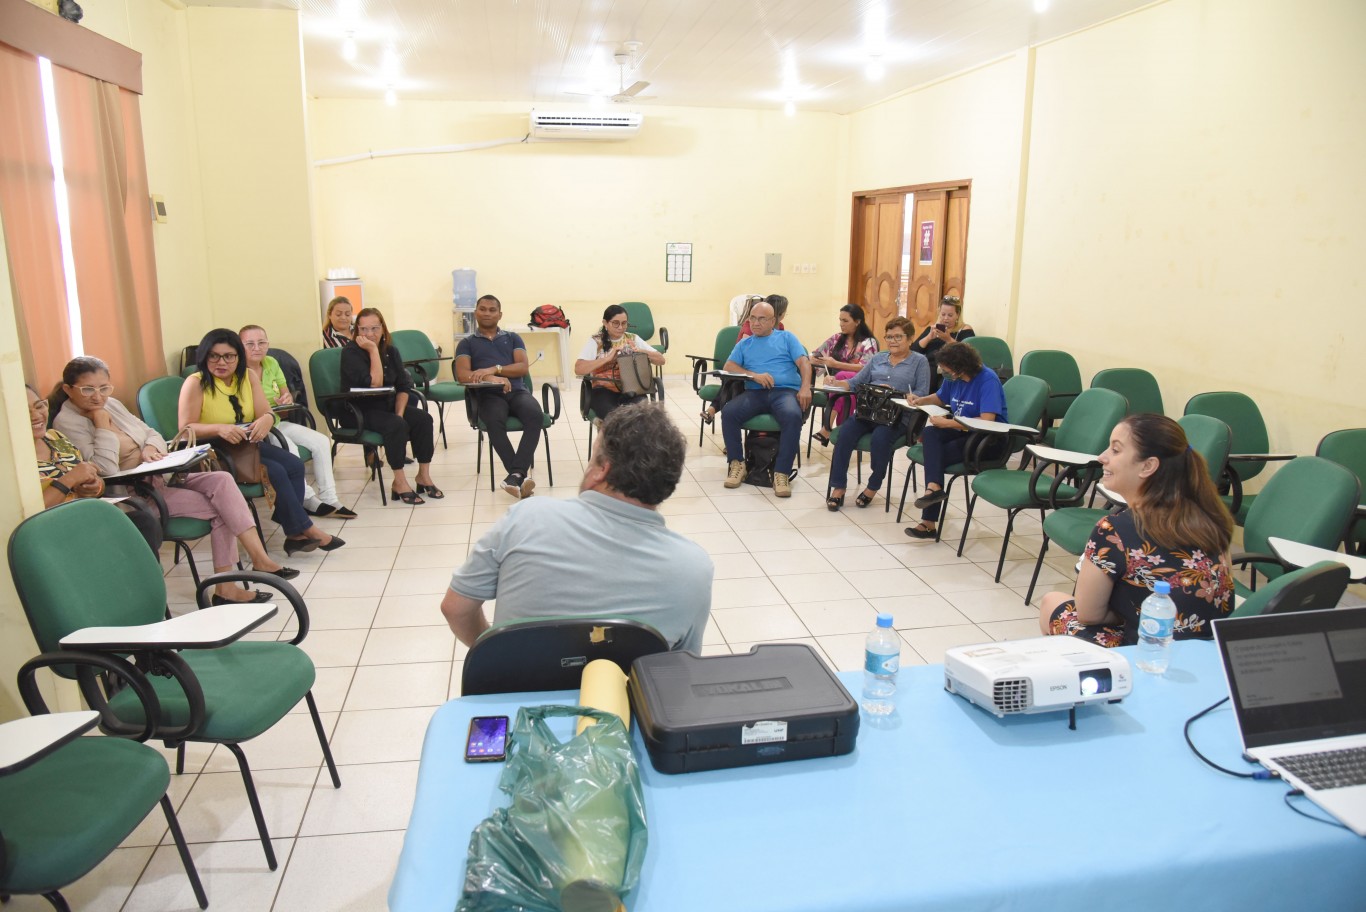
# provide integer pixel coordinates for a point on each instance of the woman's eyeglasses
(897, 338)
(215, 358)
(92, 390)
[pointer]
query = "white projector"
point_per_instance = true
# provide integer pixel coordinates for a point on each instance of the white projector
(1045, 674)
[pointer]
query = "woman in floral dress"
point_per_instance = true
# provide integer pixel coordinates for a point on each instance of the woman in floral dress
(1176, 529)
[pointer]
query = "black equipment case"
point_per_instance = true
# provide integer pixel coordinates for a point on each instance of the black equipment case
(777, 702)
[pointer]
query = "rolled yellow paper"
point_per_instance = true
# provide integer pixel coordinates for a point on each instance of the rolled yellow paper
(604, 687)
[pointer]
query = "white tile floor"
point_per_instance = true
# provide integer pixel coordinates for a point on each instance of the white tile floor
(785, 570)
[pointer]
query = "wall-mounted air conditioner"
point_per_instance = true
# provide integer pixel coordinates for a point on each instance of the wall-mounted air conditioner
(584, 125)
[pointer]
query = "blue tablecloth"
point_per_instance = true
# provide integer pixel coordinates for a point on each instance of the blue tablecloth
(947, 807)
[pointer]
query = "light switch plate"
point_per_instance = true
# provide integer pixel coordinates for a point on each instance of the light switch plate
(773, 264)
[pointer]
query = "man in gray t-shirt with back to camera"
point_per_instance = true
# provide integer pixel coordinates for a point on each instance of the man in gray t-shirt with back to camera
(607, 553)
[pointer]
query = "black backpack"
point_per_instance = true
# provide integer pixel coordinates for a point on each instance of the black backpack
(761, 452)
(548, 315)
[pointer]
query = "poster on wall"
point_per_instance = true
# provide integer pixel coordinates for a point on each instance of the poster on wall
(678, 262)
(926, 243)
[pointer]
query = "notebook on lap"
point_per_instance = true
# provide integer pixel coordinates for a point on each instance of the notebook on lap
(1298, 686)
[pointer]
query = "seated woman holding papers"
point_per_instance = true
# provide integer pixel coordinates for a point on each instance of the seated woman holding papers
(899, 368)
(118, 440)
(370, 361)
(224, 401)
(969, 390)
(1175, 529)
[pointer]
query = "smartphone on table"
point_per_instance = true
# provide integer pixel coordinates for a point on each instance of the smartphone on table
(488, 740)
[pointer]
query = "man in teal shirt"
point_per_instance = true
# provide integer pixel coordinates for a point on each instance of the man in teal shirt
(777, 382)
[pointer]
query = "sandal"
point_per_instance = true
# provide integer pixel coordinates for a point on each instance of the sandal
(865, 498)
(411, 498)
(708, 416)
(834, 502)
(431, 491)
(920, 530)
(822, 436)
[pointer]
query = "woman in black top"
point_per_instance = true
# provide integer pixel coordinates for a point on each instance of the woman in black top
(371, 360)
(934, 338)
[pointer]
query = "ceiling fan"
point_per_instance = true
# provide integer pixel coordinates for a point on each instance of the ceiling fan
(624, 57)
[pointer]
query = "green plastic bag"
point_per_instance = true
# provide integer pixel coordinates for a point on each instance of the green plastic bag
(573, 837)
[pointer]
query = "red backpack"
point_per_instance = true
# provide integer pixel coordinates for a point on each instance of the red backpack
(548, 315)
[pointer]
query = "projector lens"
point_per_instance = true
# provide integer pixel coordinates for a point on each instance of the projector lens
(1096, 681)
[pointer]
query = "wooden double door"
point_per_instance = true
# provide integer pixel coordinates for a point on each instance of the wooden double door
(909, 249)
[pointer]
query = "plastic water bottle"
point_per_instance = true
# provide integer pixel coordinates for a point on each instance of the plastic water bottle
(1156, 623)
(881, 661)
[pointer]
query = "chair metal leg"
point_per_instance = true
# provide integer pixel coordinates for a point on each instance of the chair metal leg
(180, 758)
(322, 739)
(441, 416)
(967, 521)
(174, 823)
(905, 486)
(491, 488)
(1038, 564)
(58, 903)
(549, 466)
(1005, 542)
(255, 803)
(189, 559)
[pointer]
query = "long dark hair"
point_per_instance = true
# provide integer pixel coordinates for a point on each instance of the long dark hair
(1177, 506)
(74, 370)
(861, 330)
(605, 342)
(201, 357)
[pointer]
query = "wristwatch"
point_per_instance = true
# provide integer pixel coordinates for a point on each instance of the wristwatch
(498, 369)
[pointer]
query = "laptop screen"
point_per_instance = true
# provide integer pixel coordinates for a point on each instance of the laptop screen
(1296, 677)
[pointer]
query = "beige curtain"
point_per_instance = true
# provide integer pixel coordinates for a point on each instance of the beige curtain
(111, 227)
(30, 212)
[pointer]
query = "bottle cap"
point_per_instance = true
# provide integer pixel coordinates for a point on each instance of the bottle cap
(1162, 587)
(884, 620)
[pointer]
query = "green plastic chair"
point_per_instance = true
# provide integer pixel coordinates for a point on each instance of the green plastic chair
(549, 653)
(1348, 448)
(1026, 398)
(1134, 384)
(642, 323)
(204, 691)
(1240, 413)
(344, 420)
(1086, 431)
(1311, 500)
(1070, 527)
(1310, 588)
(414, 346)
(68, 804)
(549, 393)
(995, 355)
(1059, 370)
(706, 389)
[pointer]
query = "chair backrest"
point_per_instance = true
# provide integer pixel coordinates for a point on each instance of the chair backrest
(642, 322)
(1059, 370)
(1241, 414)
(1211, 438)
(549, 654)
(84, 564)
(1026, 398)
(294, 374)
(1346, 448)
(1134, 384)
(159, 404)
(1087, 426)
(413, 345)
(1317, 586)
(725, 344)
(995, 355)
(1309, 500)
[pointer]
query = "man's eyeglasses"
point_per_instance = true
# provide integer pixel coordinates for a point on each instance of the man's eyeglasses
(215, 358)
(92, 390)
(760, 319)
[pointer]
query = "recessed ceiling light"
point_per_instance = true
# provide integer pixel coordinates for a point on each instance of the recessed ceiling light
(875, 70)
(790, 109)
(349, 48)
(390, 97)
(1041, 6)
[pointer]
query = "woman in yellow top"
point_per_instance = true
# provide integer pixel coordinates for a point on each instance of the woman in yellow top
(224, 401)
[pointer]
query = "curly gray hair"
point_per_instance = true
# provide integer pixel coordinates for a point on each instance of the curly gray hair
(643, 451)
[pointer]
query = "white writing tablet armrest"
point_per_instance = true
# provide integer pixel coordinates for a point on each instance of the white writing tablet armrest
(1067, 457)
(25, 741)
(207, 628)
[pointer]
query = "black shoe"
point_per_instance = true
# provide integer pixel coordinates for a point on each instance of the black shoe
(513, 484)
(920, 531)
(333, 545)
(297, 545)
(341, 512)
(930, 498)
(257, 599)
(284, 573)
(324, 510)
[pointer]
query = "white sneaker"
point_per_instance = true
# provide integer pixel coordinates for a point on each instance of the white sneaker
(782, 485)
(735, 474)
(528, 485)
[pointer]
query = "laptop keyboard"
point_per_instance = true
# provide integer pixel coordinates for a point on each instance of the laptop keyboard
(1328, 769)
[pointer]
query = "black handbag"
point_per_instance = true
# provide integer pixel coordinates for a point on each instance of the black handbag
(873, 403)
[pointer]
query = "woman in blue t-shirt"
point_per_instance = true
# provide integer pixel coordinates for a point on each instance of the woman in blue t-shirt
(969, 390)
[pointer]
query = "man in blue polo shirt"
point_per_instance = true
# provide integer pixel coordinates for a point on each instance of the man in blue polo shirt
(778, 382)
(496, 355)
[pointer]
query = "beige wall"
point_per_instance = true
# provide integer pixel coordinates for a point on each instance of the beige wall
(582, 225)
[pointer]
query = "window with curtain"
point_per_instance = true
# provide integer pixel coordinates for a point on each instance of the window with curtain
(101, 297)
